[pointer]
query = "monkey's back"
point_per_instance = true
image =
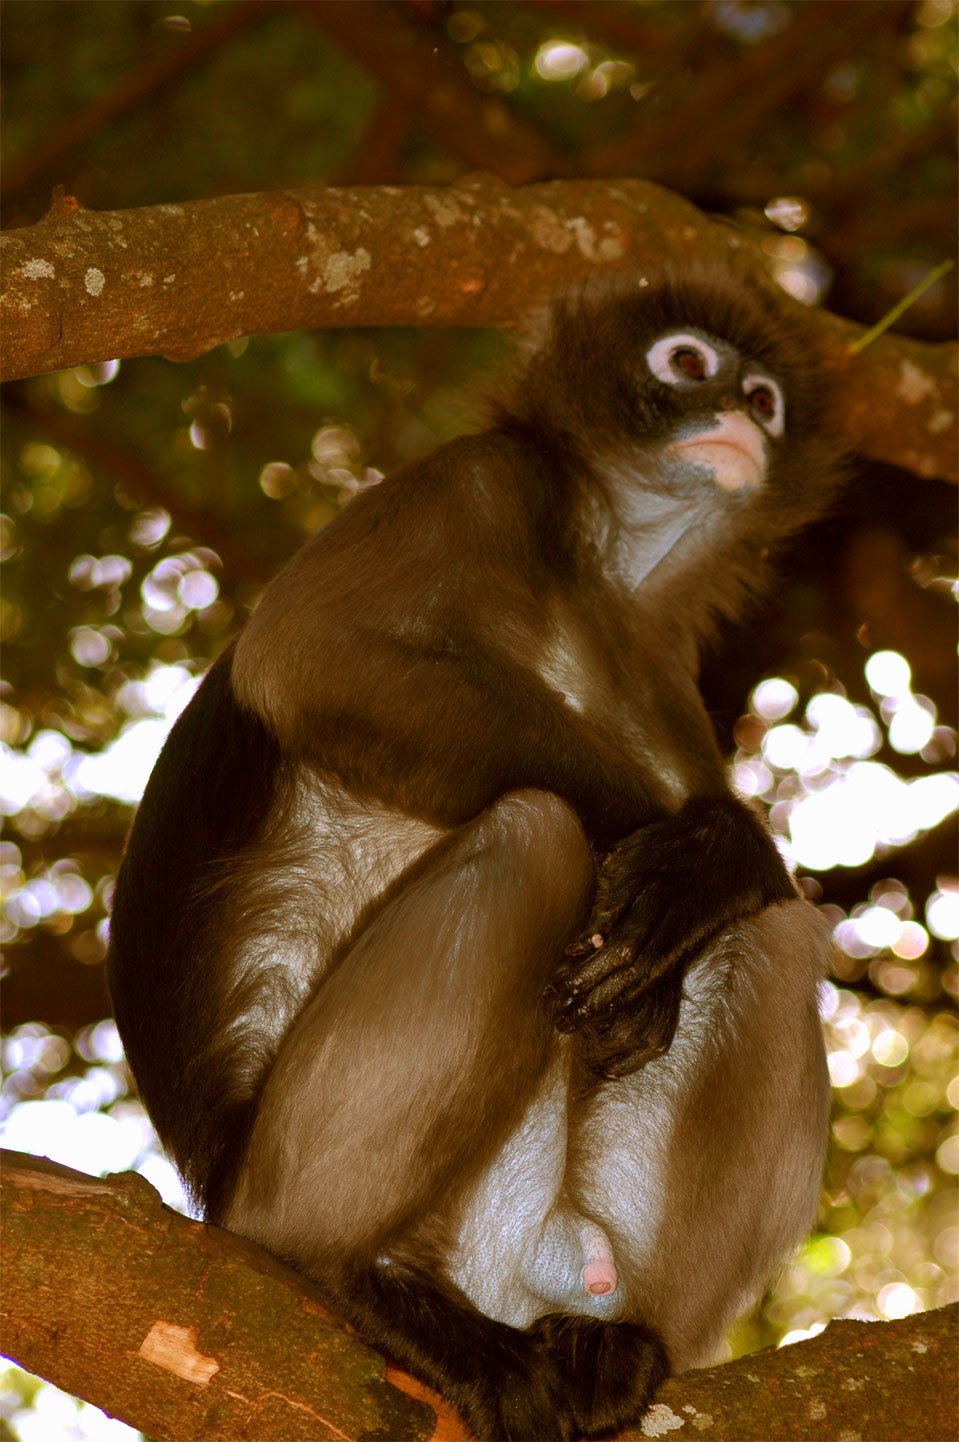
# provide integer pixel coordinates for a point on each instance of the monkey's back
(206, 800)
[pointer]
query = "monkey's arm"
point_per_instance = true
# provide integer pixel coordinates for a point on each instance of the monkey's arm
(444, 733)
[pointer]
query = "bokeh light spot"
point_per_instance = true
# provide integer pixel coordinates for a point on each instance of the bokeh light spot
(888, 673)
(898, 1300)
(560, 60)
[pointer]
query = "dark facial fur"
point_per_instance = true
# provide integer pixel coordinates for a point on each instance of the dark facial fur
(448, 966)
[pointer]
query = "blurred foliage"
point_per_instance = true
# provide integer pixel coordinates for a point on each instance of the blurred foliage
(147, 504)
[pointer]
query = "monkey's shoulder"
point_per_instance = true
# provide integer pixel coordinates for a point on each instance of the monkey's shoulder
(498, 485)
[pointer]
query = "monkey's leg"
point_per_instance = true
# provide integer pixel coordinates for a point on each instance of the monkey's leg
(398, 1083)
(704, 1166)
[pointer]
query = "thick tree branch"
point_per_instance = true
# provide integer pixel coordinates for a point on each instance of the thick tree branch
(176, 280)
(186, 1332)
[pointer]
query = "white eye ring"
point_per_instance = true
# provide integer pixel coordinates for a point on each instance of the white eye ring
(661, 358)
(773, 420)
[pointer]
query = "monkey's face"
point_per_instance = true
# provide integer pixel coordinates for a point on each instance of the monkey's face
(689, 392)
(728, 410)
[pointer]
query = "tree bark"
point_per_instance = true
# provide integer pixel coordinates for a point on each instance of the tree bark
(188, 1332)
(176, 280)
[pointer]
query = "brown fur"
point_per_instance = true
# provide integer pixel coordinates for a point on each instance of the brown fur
(354, 956)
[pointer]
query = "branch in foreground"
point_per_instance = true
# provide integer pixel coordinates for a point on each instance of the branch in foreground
(176, 280)
(186, 1331)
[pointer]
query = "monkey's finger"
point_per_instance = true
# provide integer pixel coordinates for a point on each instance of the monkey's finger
(635, 993)
(598, 953)
(575, 978)
(630, 1058)
(622, 1049)
(599, 936)
(585, 946)
(601, 998)
(597, 931)
(634, 1034)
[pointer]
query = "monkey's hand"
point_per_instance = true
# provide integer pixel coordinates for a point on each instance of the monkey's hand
(661, 894)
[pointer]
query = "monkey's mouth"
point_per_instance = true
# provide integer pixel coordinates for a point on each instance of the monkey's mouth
(732, 450)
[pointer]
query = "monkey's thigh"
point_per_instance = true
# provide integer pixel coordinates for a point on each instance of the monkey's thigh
(704, 1166)
(417, 1055)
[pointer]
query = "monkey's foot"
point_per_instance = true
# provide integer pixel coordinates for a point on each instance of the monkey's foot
(612, 1369)
(516, 1395)
(626, 1039)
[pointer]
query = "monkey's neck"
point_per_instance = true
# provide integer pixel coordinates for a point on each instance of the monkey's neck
(646, 535)
(654, 549)
(680, 554)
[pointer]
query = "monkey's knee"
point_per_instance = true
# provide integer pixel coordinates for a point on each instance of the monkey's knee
(544, 813)
(544, 838)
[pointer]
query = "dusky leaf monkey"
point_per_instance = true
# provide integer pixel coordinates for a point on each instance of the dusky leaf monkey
(448, 965)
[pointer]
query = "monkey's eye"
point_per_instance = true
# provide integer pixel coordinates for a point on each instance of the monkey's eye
(690, 362)
(766, 403)
(679, 357)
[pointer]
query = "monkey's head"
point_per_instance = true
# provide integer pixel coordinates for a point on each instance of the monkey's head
(698, 388)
